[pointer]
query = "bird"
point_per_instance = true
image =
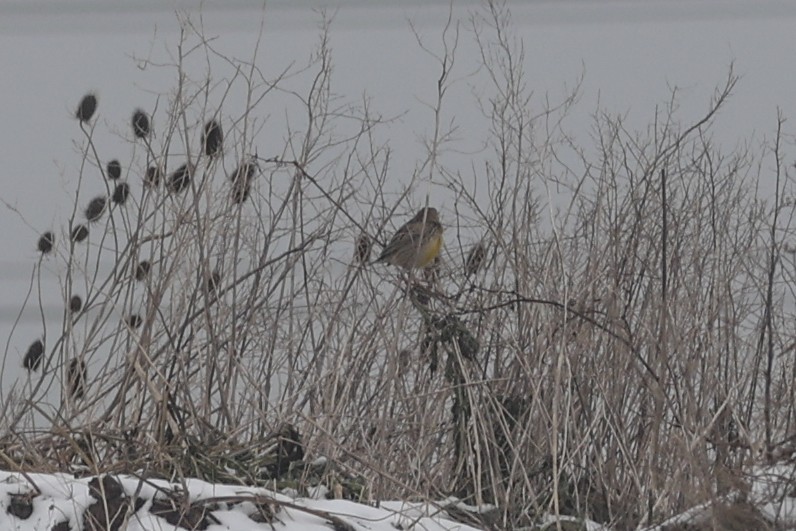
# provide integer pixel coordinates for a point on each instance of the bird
(417, 243)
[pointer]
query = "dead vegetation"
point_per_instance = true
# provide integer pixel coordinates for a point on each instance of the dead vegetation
(609, 334)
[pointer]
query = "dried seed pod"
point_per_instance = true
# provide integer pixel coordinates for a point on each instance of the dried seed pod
(475, 259)
(213, 281)
(86, 108)
(241, 180)
(77, 374)
(152, 177)
(453, 331)
(180, 179)
(120, 193)
(33, 356)
(245, 172)
(95, 208)
(79, 233)
(468, 344)
(142, 270)
(46, 242)
(420, 295)
(75, 304)
(364, 248)
(140, 124)
(240, 192)
(114, 169)
(429, 346)
(212, 138)
(134, 321)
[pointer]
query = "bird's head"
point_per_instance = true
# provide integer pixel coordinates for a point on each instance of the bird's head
(427, 215)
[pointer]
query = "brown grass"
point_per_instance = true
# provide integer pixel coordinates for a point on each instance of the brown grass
(621, 350)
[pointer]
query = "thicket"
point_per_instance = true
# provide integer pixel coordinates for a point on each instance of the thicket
(609, 331)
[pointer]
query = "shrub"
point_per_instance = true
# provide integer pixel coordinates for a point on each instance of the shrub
(603, 352)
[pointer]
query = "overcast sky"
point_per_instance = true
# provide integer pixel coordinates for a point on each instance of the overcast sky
(631, 53)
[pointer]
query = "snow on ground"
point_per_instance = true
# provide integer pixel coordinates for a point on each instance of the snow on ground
(772, 492)
(60, 502)
(65, 503)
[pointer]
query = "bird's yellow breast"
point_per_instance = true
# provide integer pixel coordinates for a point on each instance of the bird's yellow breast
(429, 251)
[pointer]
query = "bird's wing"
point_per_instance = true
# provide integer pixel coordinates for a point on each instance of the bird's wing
(406, 235)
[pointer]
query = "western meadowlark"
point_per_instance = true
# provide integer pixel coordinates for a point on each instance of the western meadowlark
(416, 244)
